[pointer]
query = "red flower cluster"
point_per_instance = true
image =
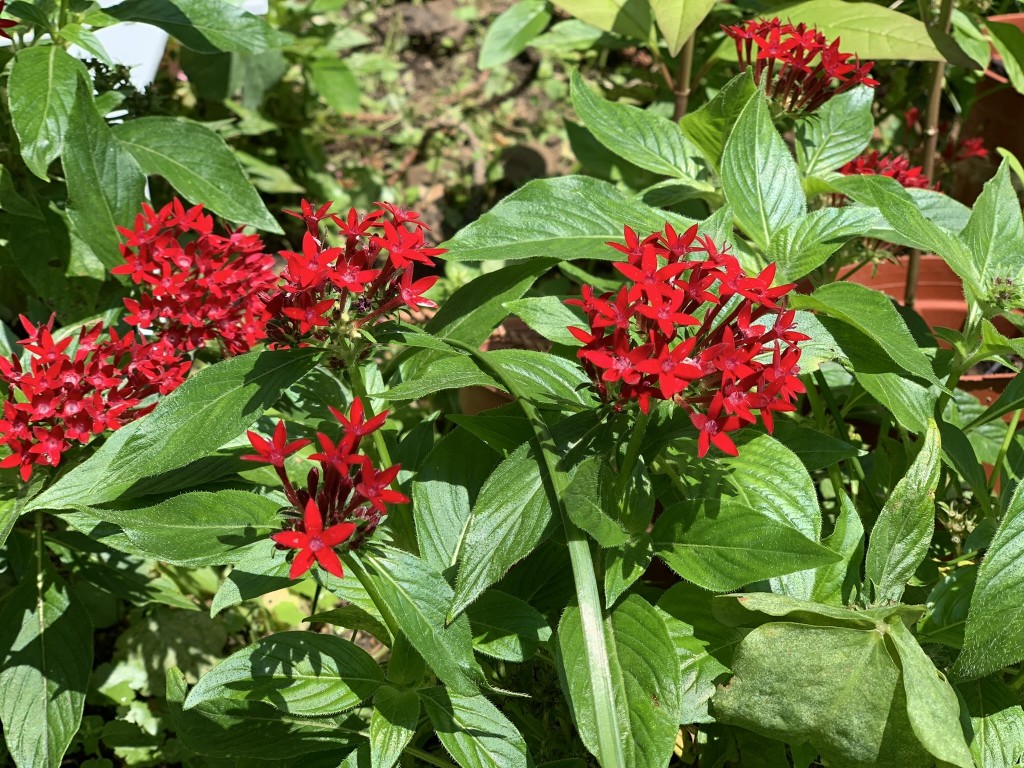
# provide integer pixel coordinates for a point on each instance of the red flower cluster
(894, 166)
(342, 287)
(345, 495)
(196, 286)
(78, 387)
(797, 66)
(956, 152)
(697, 331)
(5, 23)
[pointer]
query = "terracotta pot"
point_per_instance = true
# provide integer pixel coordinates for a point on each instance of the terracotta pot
(994, 116)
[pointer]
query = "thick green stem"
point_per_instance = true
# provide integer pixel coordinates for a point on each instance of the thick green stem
(588, 597)
(997, 468)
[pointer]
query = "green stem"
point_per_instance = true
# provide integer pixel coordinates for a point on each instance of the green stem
(62, 16)
(588, 598)
(426, 757)
(997, 468)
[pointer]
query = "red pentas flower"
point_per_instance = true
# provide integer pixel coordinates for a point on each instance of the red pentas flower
(77, 387)
(195, 286)
(343, 500)
(796, 65)
(5, 23)
(894, 166)
(342, 282)
(690, 326)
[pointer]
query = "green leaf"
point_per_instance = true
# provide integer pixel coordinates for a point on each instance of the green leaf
(995, 231)
(40, 95)
(591, 504)
(679, 20)
(901, 535)
(446, 488)
(948, 605)
(753, 609)
(704, 647)
(211, 408)
(815, 449)
(337, 85)
(723, 545)
(759, 177)
(196, 529)
(512, 31)
(631, 18)
(259, 569)
(105, 185)
(505, 627)
(565, 219)
(932, 703)
(850, 706)
(644, 138)
(87, 41)
(645, 683)
(198, 164)
(392, 725)
(205, 26)
(990, 641)
(548, 316)
(710, 126)
(871, 313)
(806, 243)
(958, 453)
(997, 721)
(474, 731)
(1008, 40)
(511, 517)
(11, 199)
(228, 728)
(868, 30)
(968, 36)
(419, 598)
(624, 565)
(837, 132)
(300, 673)
(45, 661)
(838, 583)
(1009, 400)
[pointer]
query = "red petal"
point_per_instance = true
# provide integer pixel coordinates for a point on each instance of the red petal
(336, 534)
(313, 520)
(329, 561)
(292, 539)
(301, 563)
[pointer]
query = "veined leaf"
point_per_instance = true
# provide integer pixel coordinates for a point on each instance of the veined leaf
(474, 731)
(679, 20)
(837, 132)
(512, 32)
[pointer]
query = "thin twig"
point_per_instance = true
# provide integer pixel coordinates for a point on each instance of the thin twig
(683, 82)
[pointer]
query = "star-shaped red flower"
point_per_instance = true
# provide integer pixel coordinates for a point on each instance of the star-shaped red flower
(315, 543)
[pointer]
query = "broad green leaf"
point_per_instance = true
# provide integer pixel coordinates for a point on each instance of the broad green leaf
(564, 219)
(337, 85)
(871, 313)
(752, 609)
(591, 504)
(419, 598)
(512, 31)
(723, 545)
(838, 583)
(196, 529)
(443, 494)
(353, 617)
(997, 721)
(9, 512)
(214, 406)
(901, 535)
(806, 243)
(40, 95)
(548, 316)
(643, 138)
(759, 176)
(1008, 40)
(87, 41)
(631, 18)
(233, 729)
(358, 608)
(995, 234)
(904, 216)
(474, 731)
(452, 372)
(851, 705)
(646, 686)
(1009, 400)
(505, 627)
(105, 184)
(991, 642)
(392, 725)
(299, 673)
(205, 26)
(624, 565)
(868, 30)
(198, 164)
(836, 133)
(511, 517)
(932, 704)
(11, 199)
(45, 661)
(948, 605)
(710, 126)
(703, 644)
(259, 569)
(815, 449)
(678, 20)
(575, 35)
